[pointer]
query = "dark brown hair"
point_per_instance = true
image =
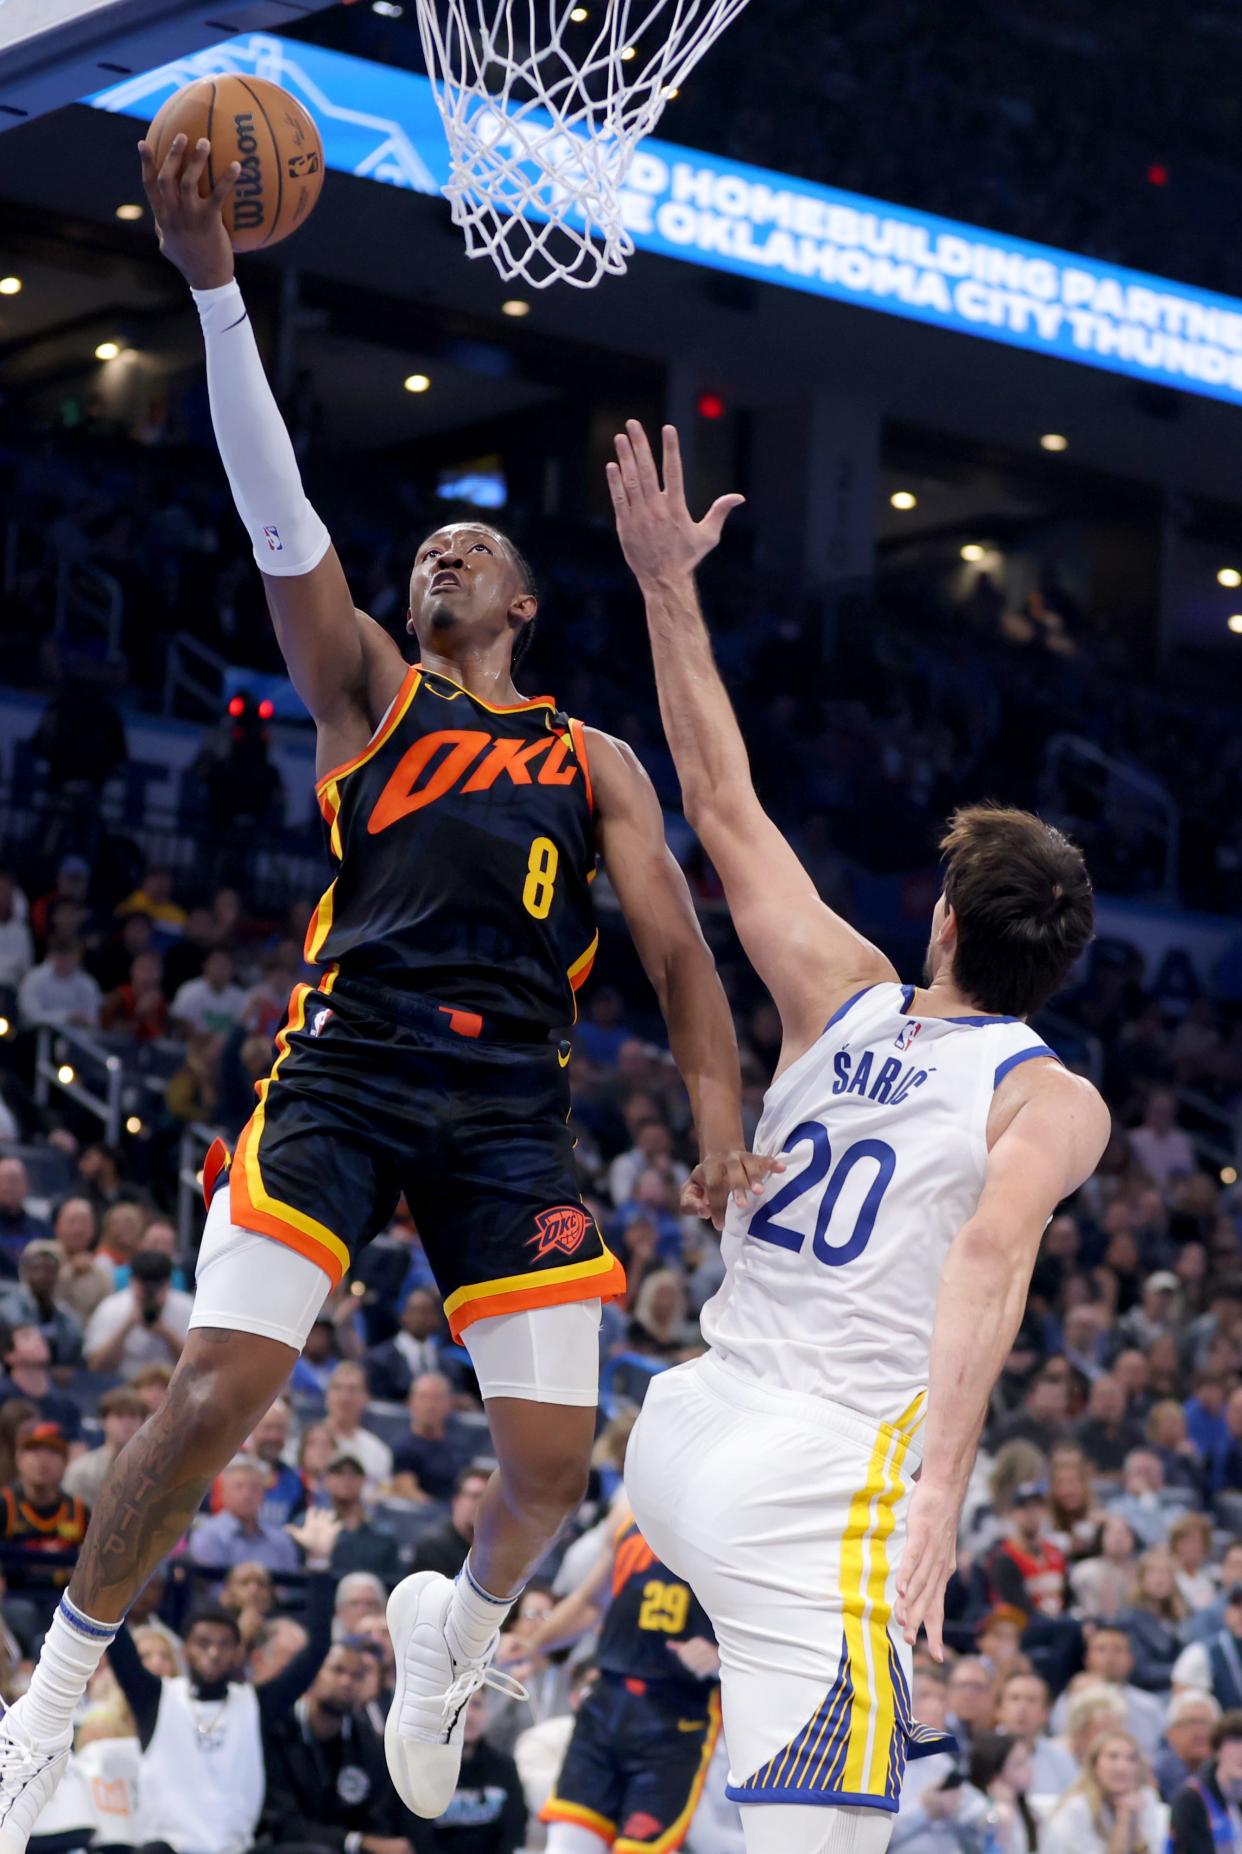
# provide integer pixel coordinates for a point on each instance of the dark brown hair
(1022, 898)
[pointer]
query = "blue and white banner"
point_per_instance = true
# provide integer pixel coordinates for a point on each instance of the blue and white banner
(382, 124)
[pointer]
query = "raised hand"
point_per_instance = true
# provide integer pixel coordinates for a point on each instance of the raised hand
(707, 1190)
(191, 229)
(659, 537)
(318, 1532)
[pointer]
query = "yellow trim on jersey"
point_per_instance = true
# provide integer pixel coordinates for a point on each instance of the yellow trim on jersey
(320, 925)
(554, 1810)
(257, 1192)
(400, 703)
(510, 708)
(583, 963)
(864, 1592)
(540, 1279)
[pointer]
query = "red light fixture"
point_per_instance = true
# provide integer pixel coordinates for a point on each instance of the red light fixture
(711, 406)
(237, 706)
(1157, 175)
(266, 710)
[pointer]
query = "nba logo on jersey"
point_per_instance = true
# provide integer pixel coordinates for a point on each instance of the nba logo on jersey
(274, 541)
(320, 1023)
(906, 1035)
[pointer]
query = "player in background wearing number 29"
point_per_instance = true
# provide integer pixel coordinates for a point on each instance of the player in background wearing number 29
(464, 822)
(871, 1299)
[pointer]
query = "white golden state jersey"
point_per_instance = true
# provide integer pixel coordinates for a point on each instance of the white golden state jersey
(832, 1276)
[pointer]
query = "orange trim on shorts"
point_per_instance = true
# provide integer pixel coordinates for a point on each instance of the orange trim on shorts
(676, 1833)
(602, 1278)
(252, 1205)
(554, 1810)
(400, 702)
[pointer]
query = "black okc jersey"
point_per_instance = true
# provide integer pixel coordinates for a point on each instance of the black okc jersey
(465, 842)
(645, 1733)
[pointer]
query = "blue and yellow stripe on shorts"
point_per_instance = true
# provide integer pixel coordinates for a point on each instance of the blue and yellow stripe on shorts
(853, 1750)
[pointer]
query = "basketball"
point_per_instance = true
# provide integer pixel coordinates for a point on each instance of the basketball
(250, 120)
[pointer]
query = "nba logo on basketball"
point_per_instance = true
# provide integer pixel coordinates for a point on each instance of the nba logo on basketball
(274, 541)
(562, 1228)
(906, 1036)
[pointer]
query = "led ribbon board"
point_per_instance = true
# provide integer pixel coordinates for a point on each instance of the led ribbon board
(381, 124)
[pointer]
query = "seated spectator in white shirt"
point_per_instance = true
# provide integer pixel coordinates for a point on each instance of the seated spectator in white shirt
(1162, 1149)
(16, 946)
(345, 1400)
(1110, 1660)
(142, 1324)
(213, 1002)
(59, 992)
(1023, 1711)
(122, 1414)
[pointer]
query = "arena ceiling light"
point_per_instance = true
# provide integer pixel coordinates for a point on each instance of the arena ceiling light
(130, 210)
(10, 286)
(416, 383)
(974, 552)
(904, 499)
(387, 9)
(1235, 624)
(579, 14)
(107, 350)
(515, 307)
(1054, 441)
(1229, 576)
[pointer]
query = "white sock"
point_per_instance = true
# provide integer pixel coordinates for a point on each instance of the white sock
(72, 1649)
(474, 1617)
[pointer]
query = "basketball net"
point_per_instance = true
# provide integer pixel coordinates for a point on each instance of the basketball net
(543, 113)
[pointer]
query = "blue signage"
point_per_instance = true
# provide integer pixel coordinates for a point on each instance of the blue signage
(382, 124)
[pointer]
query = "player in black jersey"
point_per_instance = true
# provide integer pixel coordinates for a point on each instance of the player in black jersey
(645, 1733)
(464, 822)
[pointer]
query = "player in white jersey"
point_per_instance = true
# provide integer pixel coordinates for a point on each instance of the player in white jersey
(806, 1475)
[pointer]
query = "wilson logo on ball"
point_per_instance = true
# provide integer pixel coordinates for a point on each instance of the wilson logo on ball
(248, 194)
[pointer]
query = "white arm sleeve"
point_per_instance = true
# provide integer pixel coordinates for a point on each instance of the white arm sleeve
(287, 535)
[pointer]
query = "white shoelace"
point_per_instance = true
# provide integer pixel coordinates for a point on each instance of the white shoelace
(18, 1763)
(467, 1683)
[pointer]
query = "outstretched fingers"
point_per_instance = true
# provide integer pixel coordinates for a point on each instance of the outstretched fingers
(644, 462)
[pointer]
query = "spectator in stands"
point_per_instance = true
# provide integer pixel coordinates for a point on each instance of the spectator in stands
(1000, 1770)
(158, 1238)
(213, 1004)
(36, 1302)
(27, 1361)
(154, 898)
(274, 1646)
(1177, 1454)
(657, 1326)
(1205, 1412)
(1158, 1314)
(972, 1701)
(1074, 1514)
(1190, 1541)
(99, 1173)
(1187, 1740)
(393, 1365)
(430, 1458)
(1226, 1467)
(359, 1595)
(16, 945)
(360, 1546)
(1162, 1149)
(1085, 1341)
(151, 1384)
(488, 1812)
(327, 1780)
(143, 1324)
(248, 1594)
(238, 1534)
(315, 1450)
(1215, 1666)
(202, 1735)
(1144, 1502)
(1044, 1415)
(1154, 1620)
(1110, 1661)
(84, 1280)
(445, 1549)
(138, 1007)
(320, 1356)
(1111, 1809)
(1206, 1811)
(284, 1497)
(57, 991)
(18, 1223)
(121, 1235)
(346, 1402)
(1019, 1567)
(113, 963)
(652, 1151)
(73, 884)
(1023, 1711)
(1105, 1432)
(193, 1092)
(122, 1414)
(37, 1516)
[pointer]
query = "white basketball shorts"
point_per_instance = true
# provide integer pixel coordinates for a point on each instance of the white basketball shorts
(786, 1515)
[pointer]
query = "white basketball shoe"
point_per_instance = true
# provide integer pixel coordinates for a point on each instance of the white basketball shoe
(426, 1721)
(28, 1776)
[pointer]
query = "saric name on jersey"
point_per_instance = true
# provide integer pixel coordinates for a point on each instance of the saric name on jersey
(891, 1083)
